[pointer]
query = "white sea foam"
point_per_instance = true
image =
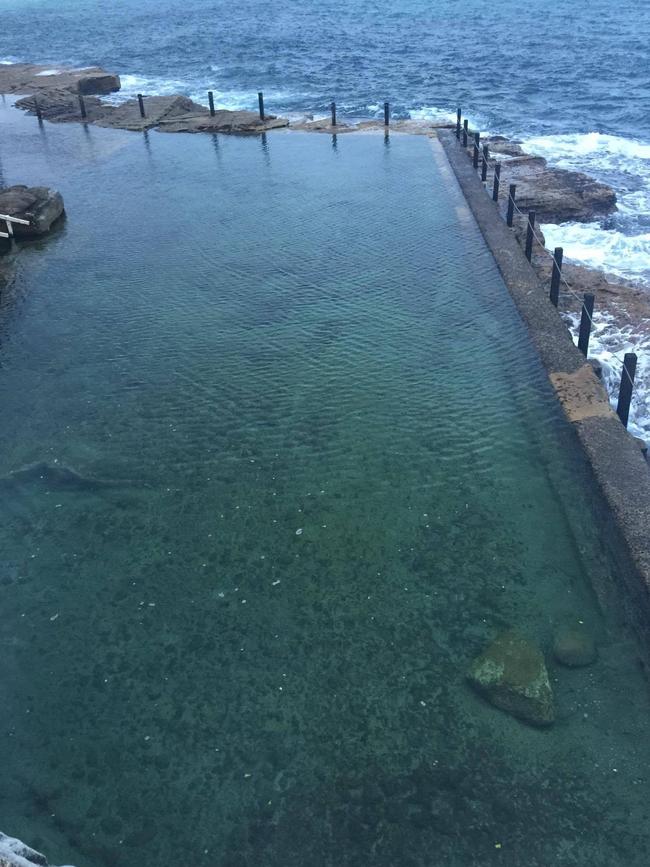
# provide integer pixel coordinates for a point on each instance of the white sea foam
(608, 344)
(49, 72)
(134, 84)
(622, 244)
(433, 114)
(16, 854)
(624, 255)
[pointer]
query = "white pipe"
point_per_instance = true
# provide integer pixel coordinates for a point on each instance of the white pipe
(9, 219)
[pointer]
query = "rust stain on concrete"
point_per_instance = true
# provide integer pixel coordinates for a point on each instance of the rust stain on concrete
(581, 394)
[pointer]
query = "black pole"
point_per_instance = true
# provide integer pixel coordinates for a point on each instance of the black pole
(529, 235)
(211, 102)
(465, 131)
(585, 323)
(484, 165)
(627, 384)
(260, 102)
(37, 108)
(333, 108)
(558, 254)
(82, 107)
(458, 117)
(495, 186)
(477, 148)
(386, 114)
(512, 193)
(141, 103)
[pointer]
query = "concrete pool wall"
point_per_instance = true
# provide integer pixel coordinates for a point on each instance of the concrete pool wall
(619, 468)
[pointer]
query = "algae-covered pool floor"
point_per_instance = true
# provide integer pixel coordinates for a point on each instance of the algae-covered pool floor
(341, 473)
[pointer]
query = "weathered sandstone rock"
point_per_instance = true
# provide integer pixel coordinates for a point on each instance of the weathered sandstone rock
(29, 78)
(511, 674)
(556, 195)
(42, 206)
(164, 113)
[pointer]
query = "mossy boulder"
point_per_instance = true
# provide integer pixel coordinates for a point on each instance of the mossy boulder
(574, 646)
(511, 675)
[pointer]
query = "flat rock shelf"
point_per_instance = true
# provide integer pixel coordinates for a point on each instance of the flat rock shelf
(279, 463)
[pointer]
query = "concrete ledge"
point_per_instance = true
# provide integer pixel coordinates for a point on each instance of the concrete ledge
(619, 469)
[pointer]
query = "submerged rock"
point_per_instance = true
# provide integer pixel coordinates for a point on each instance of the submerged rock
(574, 647)
(42, 206)
(511, 675)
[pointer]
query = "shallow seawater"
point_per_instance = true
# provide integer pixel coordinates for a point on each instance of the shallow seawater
(329, 470)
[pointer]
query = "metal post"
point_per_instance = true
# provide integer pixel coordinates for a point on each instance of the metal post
(82, 107)
(260, 102)
(141, 103)
(495, 186)
(37, 109)
(585, 323)
(556, 274)
(627, 383)
(477, 148)
(333, 108)
(386, 114)
(211, 102)
(465, 131)
(484, 165)
(512, 193)
(529, 235)
(458, 117)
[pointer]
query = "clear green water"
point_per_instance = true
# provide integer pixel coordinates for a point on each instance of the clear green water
(260, 339)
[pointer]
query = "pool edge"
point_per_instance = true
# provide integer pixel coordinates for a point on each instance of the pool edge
(619, 469)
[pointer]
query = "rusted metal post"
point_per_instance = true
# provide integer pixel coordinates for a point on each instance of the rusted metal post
(484, 164)
(627, 385)
(477, 148)
(458, 118)
(141, 104)
(556, 275)
(585, 323)
(495, 185)
(386, 114)
(530, 228)
(260, 102)
(465, 131)
(512, 193)
(333, 109)
(211, 102)
(82, 107)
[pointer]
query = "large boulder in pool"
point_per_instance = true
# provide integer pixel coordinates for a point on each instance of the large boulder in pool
(511, 674)
(41, 206)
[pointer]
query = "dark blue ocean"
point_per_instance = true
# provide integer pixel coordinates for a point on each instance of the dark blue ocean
(571, 77)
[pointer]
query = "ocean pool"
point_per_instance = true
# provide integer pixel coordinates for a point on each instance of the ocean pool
(334, 470)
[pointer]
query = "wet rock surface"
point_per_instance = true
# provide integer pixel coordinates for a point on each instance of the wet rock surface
(67, 96)
(556, 195)
(41, 206)
(30, 78)
(511, 675)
